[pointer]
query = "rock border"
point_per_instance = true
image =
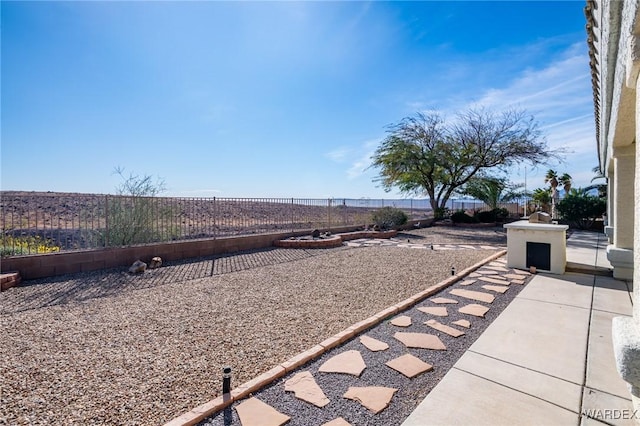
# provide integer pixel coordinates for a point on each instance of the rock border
(334, 240)
(207, 409)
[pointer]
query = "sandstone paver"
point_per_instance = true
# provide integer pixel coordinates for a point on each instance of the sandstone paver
(480, 296)
(375, 398)
(521, 272)
(438, 311)
(475, 275)
(304, 386)
(401, 321)
(474, 309)
(468, 282)
(497, 268)
(349, 362)
(444, 328)
(519, 282)
(485, 271)
(409, 365)
(254, 412)
(513, 276)
(462, 323)
(443, 300)
(497, 288)
(372, 344)
(420, 341)
(494, 280)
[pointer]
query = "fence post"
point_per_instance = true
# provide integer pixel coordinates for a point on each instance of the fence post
(291, 214)
(329, 213)
(215, 216)
(106, 220)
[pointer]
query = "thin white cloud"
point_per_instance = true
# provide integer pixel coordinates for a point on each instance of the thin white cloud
(338, 155)
(360, 165)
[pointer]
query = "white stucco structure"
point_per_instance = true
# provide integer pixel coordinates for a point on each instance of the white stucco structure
(521, 232)
(613, 29)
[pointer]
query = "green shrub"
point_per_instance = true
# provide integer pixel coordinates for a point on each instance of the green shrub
(500, 213)
(581, 209)
(461, 217)
(389, 217)
(487, 216)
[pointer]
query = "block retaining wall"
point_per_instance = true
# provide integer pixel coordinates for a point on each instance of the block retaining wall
(53, 264)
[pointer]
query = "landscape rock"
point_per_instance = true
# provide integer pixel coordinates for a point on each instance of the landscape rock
(156, 262)
(138, 267)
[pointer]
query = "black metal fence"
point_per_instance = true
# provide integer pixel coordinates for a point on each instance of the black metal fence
(49, 222)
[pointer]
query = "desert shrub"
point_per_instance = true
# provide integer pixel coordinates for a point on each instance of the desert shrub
(16, 246)
(580, 209)
(461, 217)
(487, 216)
(389, 217)
(500, 213)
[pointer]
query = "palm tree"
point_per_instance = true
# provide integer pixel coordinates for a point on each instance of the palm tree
(542, 198)
(552, 179)
(565, 181)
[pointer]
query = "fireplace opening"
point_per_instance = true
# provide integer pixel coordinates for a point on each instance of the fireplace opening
(539, 255)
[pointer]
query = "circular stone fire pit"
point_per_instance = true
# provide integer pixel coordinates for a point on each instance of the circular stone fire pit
(324, 241)
(310, 242)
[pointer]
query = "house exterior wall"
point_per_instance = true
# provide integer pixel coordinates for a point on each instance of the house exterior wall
(614, 46)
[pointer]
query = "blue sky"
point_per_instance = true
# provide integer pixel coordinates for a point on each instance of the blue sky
(273, 99)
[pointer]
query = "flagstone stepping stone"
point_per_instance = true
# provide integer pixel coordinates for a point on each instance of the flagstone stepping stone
(254, 412)
(497, 288)
(462, 323)
(438, 311)
(474, 309)
(519, 282)
(444, 328)
(337, 422)
(488, 247)
(409, 365)
(372, 344)
(497, 268)
(443, 300)
(513, 276)
(475, 275)
(349, 362)
(304, 386)
(480, 296)
(468, 282)
(467, 247)
(521, 272)
(487, 272)
(498, 262)
(401, 321)
(421, 341)
(375, 398)
(494, 280)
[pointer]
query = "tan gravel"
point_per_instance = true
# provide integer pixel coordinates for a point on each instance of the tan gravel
(146, 356)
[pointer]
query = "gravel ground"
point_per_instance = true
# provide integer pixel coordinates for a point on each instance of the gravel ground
(146, 354)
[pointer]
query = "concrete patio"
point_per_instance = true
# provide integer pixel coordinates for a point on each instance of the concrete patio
(548, 358)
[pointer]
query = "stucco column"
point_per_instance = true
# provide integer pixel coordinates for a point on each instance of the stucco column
(620, 253)
(610, 223)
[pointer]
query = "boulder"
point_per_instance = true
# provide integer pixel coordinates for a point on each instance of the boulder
(156, 262)
(315, 233)
(138, 267)
(540, 217)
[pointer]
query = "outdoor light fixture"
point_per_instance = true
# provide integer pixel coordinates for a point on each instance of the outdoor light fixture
(226, 379)
(453, 270)
(431, 246)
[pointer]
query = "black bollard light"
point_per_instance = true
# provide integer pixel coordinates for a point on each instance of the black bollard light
(453, 270)
(226, 379)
